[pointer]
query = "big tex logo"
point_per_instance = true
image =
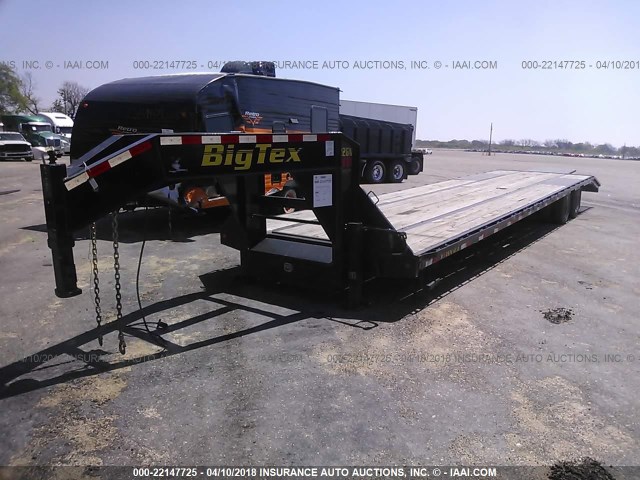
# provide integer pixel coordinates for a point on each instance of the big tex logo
(227, 155)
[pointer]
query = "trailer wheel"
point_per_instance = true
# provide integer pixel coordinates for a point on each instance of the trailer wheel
(397, 171)
(414, 166)
(374, 172)
(576, 196)
(289, 192)
(560, 210)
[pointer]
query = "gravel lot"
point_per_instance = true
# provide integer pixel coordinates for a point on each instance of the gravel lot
(471, 373)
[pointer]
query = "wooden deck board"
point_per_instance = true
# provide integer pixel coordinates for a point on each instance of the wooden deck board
(405, 214)
(301, 229)
(429, 235)
(433, 214)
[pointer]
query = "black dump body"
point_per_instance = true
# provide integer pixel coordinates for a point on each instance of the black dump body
(204, 102)
(378, 139)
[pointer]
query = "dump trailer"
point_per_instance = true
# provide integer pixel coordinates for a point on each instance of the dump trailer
(395, 115)
(339, 238)
(385, 149)
(402, 114)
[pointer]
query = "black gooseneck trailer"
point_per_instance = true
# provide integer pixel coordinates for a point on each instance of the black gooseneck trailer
(339, 236)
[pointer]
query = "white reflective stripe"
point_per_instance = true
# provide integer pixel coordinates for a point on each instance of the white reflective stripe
(118, 159)
(309, 138)
(481, 237)
(247, 139)
(429, 262)
(280, 138)
(170, 140)
(77, 181)
(211, 139)
(495, 229)
(463, 246)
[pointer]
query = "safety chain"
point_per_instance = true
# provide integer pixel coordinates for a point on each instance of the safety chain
(122, 346)
(96, 283)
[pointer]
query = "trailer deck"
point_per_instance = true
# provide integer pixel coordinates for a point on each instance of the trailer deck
(439, 215)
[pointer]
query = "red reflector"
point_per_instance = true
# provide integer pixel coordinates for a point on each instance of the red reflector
(138, 149)
(191, 139)
(264, 138)
(323, 137)
(98, 169)
(346, 162)
(229, 139)
(295, 138)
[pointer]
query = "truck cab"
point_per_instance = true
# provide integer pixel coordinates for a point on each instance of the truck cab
(62, 124)
(38, 132)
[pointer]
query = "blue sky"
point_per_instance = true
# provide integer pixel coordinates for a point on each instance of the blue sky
(597, 105)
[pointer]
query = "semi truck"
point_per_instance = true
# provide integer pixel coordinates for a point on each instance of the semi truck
(62, 124)
(38, 132)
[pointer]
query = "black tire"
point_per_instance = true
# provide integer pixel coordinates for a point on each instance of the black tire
(414, 166)
(397, 171)
(560, 210)
(375, 171)
(574, 208)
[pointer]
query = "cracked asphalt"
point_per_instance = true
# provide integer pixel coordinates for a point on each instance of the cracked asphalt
(470, 373)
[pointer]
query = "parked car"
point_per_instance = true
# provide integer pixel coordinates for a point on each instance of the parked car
(426, 151)
(13, 146)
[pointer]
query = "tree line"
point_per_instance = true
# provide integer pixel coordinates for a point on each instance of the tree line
(17, 94)
(529, 145)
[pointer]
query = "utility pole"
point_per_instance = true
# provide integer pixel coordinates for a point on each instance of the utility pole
(490, 137)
